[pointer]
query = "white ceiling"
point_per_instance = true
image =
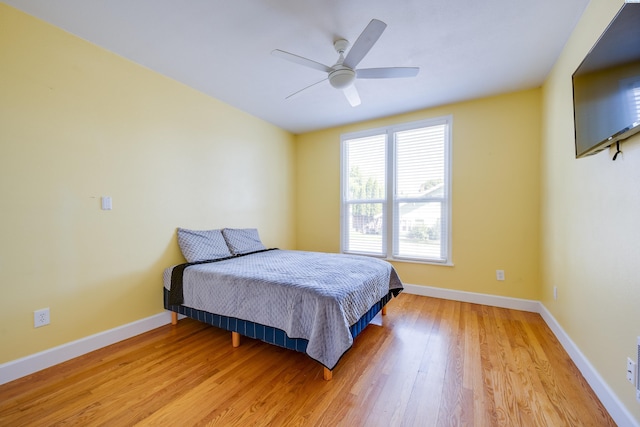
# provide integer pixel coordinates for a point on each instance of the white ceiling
(465, 48)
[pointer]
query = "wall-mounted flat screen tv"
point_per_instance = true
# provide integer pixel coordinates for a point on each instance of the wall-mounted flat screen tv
(606, 86)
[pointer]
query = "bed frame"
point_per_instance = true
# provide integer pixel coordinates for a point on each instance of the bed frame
(268, 334)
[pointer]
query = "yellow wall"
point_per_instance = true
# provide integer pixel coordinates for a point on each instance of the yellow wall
(495, 186)
(77, 123)
(590, 225)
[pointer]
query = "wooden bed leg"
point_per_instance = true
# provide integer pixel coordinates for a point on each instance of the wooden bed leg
(174, 318)
(384, 310)
(235, 339)
(328, 374)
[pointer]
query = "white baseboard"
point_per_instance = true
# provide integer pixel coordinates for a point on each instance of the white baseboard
(614, 406)
(472, 297)
(36, 362)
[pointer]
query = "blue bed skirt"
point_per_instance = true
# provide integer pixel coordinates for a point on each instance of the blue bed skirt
(264, 333)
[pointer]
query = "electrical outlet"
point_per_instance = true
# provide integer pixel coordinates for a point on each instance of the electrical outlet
(41, 317)
(631, 371)
(555, 292)
(637, 372)
(499, 274)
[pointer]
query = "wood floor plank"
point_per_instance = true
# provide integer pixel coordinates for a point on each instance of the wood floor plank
(428, 362)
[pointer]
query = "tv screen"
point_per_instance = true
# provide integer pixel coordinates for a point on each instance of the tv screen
(606, 86)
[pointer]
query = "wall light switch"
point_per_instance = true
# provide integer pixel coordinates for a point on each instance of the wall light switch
(106, 203)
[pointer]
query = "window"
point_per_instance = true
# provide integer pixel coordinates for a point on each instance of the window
(396, 192)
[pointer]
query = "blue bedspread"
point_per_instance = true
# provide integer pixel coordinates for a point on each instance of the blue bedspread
(310, 295)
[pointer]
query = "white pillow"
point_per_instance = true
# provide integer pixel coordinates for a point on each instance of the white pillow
(242, 240)
(202, 245)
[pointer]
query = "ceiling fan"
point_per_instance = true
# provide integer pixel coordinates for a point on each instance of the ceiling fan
(344, 72)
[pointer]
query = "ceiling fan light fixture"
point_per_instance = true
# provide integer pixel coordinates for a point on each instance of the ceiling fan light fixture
(344, 72)
(342, 78)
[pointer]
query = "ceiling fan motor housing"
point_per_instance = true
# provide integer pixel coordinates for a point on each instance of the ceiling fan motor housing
(342, 77)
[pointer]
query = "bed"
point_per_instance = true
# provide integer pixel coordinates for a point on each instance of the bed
(311, 302)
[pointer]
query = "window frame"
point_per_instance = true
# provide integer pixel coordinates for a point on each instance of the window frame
(391, 226)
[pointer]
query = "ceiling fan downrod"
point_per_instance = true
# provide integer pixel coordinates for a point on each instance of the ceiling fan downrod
(342, 76)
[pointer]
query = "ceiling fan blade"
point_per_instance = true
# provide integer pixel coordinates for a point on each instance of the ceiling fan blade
(305, 88)
(301, 61)
(386, 73)
(351, 93)
(365, 42)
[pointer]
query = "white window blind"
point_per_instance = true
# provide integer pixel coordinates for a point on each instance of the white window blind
(365, 202)
(395, 184)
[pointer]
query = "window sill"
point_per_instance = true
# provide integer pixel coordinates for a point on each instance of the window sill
(415, 261)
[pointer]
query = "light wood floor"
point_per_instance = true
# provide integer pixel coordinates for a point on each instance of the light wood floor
(432, 363)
